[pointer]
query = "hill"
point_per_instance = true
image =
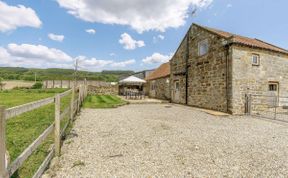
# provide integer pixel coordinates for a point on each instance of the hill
(19, 73)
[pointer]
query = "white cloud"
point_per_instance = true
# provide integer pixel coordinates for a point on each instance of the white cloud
(161, 37)
(12, 17)
(27, 55)
(91, 31)
(123, 63)
(55, 37)
(85, 62)
(157, 38)
(129, 43)
(229, 5)
(112, 54)
(38, 52)
(157, 58)
(39, 56)
(141, 15)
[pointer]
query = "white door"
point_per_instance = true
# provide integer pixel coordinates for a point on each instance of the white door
(176, 92)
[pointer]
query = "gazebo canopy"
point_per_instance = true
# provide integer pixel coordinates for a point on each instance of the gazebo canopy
(132, 81)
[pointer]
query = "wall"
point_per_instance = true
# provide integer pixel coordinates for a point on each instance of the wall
(207, 74)
(70, 83)
(105, 90)
(162, 88)
(249, 79)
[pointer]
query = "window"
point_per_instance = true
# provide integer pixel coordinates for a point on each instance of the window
(203, 47)
(255, 60)
(273, 86)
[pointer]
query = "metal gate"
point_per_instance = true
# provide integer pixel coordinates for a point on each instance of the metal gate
(271, 107)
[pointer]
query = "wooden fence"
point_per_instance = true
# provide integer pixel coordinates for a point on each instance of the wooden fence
(77, 97)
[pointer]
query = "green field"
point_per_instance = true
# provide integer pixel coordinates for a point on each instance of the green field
(22, 130)
(19, 73)
(102, 101)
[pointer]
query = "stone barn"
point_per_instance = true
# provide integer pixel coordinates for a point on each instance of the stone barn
(158, 83)
(214, 69)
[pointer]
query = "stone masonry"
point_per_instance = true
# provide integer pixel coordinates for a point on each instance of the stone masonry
(206, 74)
(220, 79)
(161, 88)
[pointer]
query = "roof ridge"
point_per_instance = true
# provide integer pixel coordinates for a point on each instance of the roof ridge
(240, 38)
(271, 44)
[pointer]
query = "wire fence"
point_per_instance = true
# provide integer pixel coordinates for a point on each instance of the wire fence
(271, 107)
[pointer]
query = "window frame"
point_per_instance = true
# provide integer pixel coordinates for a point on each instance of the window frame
(200, 43)
(273, 84)
(258, 59)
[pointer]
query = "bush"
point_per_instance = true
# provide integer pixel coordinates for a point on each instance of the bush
(37, 85)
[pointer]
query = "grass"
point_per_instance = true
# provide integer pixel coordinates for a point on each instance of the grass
(10, 98)
(22, 130)
(103, 101)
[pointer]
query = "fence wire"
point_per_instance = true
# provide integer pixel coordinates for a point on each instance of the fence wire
(271, 107)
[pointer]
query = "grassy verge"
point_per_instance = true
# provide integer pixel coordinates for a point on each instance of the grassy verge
(102, 101)
(25, 128)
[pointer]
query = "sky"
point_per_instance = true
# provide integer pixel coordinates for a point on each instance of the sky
(124, 34)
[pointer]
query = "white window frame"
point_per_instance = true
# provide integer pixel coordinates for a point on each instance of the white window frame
(203, 45)
(257, 63)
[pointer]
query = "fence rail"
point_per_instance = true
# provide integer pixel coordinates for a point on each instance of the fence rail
(78, 95)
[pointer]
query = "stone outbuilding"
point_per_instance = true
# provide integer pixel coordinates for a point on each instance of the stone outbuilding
(158, 82)
(214, 69)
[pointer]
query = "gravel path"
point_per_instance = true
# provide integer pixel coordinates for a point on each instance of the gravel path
(160, 141)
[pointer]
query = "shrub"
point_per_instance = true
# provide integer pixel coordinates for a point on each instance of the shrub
(37, 85)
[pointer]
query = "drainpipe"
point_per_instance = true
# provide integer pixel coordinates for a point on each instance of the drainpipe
(227, 48)
(187, 67)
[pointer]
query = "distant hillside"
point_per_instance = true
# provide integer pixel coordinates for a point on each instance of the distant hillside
(18, 73)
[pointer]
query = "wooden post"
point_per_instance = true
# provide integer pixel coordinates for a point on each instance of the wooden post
(72, 103)
(79, 99)
(85, 87)
(3, 166)
(53, 84)
(69, 84)
(61, 84)
(46, 83)
(57, 125)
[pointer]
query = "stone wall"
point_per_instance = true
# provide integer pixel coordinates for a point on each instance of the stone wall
(207, 75)
(70, 83)
(161, 88)
(103, 89)
(251, 79)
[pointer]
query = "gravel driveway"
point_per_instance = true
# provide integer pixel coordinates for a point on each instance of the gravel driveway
(178, 141)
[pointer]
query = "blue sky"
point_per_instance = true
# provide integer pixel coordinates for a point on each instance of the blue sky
(150, 31)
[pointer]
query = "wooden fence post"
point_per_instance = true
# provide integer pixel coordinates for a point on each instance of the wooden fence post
(61, 84)
(3, 166)
(53, 84)
(72, 103)
(57, 125)
(79, 98)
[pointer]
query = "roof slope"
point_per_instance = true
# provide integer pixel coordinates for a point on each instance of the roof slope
(162, 71)
(132, 79)
(244, 40)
